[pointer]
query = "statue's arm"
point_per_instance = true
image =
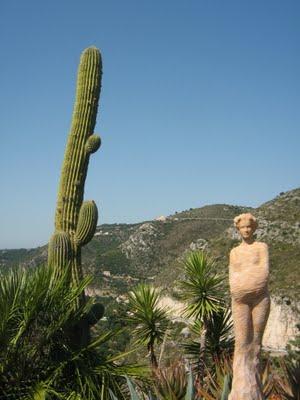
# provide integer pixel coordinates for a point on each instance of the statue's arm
(264, 256)
(232, 257)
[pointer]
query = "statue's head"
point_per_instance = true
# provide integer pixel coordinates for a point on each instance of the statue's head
(246, 224)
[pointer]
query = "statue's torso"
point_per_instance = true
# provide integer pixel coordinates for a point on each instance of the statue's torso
(249, 271)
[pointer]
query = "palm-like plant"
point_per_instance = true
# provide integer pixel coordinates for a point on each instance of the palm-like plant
(149, 319)
(37, 358)
(202, 289)
(220, 334)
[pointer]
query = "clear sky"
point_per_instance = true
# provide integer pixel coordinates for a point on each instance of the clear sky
(200, 105)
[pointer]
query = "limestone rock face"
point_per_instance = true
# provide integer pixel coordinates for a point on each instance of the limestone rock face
(280, 329)
(282, 324)
(199, 244)
(141, 244)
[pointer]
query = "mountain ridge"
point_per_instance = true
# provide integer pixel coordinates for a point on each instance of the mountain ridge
(153, 250)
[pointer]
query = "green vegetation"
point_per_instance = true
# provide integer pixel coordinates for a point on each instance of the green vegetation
(223, 211)
(39, 358)
(37, 355)
(284, 261)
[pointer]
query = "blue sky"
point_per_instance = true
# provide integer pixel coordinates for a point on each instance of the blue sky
(200, 105)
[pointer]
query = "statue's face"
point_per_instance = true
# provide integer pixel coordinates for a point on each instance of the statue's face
(246, 229)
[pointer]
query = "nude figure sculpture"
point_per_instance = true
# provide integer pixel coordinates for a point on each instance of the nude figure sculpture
(248, 280)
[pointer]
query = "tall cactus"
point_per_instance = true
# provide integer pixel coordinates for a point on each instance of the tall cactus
(75, 219)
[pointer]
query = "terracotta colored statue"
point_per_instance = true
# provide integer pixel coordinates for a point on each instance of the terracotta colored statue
(248, 279)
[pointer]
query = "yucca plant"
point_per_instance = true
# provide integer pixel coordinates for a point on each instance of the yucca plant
(202, 288)
(148, 318)
(37, 357)
(219, 337)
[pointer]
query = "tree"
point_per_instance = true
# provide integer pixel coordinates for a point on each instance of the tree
(150, 320)
(202, 289)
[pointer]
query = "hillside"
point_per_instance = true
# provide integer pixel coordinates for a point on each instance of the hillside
(121, 254)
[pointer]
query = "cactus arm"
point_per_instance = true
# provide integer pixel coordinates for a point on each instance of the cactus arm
(87, 223)
(59, 250)
(92, 144)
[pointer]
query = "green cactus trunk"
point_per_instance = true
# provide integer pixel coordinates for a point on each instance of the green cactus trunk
(75, 220)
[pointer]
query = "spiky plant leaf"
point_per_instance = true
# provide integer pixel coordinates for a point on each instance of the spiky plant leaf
(217, 379)
(133, 393)
(190, 387)
(290, 382)
(113, 397)
(226, 388)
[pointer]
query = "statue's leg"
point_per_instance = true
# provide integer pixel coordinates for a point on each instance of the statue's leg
(243, 331)
(260, 313)
(242, 324)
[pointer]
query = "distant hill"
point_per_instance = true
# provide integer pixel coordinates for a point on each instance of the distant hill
(121, 254)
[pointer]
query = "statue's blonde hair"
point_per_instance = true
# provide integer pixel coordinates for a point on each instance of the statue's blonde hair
(245, 216)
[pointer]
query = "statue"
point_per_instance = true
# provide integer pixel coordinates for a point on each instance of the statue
(248, 279)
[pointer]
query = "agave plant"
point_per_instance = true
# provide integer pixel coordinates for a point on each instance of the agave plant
(37, 359)
(168, 386)
(218, 381)
(148, 318)
(171, 382)
(290, 383)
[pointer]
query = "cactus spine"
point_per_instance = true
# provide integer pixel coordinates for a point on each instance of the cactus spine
(75, 220)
